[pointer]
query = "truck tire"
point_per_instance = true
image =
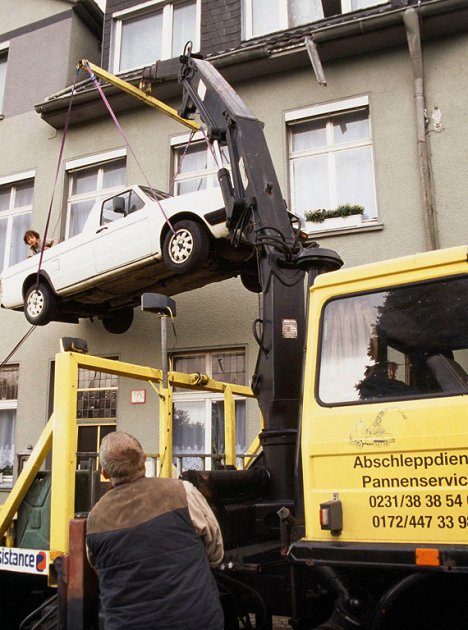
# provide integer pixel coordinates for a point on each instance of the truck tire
(187, 247)
(119, 321)
(251, 282)
(39, 304)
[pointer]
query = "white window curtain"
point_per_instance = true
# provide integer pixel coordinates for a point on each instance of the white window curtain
(331, 163)
(145, 34)
(87, 186)
(15, 218)
(7, 437)
(141, 40)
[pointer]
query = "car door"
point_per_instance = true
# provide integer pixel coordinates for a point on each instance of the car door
(124, 235)
(71, 262)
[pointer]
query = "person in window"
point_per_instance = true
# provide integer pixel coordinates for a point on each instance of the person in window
(33, 240)
(380, 382)
(152, 542)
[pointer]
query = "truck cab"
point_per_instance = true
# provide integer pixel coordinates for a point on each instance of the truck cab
(384, 423)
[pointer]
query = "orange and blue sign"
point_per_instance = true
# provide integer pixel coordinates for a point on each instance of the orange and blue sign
(24, 560)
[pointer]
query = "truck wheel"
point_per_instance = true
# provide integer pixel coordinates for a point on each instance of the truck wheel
(118, 321)
(39, 304)
(251, 282)
(187, 247)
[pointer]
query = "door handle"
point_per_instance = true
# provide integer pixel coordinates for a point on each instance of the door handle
(102, 229)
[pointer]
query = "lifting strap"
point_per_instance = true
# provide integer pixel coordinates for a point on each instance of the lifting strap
(59, 162)
(93, 77)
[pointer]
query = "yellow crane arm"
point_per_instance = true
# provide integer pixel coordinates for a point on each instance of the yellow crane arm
(127, 87)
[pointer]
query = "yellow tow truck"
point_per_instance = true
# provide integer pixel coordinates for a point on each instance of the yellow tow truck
(352, 510)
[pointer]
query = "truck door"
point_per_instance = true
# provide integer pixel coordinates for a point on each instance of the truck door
(385, 423)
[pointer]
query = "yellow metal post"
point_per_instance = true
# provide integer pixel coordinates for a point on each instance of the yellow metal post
(27, 475)
(229, 427)
(65, 435)
(165, 431)
(138, 94)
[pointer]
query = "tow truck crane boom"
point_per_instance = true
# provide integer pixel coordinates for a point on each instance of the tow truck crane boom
(256, 210)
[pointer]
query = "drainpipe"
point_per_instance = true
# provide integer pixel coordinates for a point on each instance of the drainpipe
(413, 35)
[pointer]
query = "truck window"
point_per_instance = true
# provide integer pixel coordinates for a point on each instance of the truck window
(409, 341)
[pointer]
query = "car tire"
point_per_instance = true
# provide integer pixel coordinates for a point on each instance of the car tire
(187, 247)
(119, 321)
(39, 304)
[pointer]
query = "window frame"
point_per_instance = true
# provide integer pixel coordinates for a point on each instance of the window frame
(328, 111)
(148, 8)
(393, 353)
(210, 173)
(247, 22)
(4, 50)
(180, 395)
(100, 193)
(10, 404)
(13, 181)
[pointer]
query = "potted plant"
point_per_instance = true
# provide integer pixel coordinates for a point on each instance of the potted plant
(345, 215)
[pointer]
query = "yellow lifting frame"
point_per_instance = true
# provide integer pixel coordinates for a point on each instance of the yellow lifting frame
(61, 433)
(26, 477)
(127, 87)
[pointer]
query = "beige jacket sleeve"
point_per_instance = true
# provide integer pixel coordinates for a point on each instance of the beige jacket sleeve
(205, 524)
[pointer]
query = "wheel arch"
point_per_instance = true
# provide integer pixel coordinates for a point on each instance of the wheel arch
(32, 279)
(183, 216)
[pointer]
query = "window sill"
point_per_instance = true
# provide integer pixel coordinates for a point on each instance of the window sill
(337, 230)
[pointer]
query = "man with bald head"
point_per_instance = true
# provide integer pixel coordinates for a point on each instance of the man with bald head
(152, 542)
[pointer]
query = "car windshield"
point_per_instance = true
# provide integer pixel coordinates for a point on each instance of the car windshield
(410, 341)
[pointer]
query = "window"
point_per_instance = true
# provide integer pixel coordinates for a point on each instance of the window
(88, 184)
(8, 405)
(3, 69)
(154, 30)
(267, 16)
(15, 218)
(410, 341)
(195, 165)
(356, 5)
(96, 410)
(198, 425)
(331, 158)
(118, 207)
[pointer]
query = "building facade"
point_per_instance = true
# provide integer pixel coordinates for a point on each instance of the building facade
(363, 105)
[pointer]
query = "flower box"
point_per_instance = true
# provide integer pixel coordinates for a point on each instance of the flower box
(335, 223)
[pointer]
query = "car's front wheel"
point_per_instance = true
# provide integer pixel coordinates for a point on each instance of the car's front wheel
(119, 321)
(39, 304)
(187, 247)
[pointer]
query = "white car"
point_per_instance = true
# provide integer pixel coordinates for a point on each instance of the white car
(136, 241)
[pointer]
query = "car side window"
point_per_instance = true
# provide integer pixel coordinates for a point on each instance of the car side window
(120, 206)
(135, 202)
(115, 208)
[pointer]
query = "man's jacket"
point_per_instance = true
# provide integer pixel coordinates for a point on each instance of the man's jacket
(151, 542)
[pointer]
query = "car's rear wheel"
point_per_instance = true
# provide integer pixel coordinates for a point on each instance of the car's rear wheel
(187, 247)
(39, 304)
(118, 321)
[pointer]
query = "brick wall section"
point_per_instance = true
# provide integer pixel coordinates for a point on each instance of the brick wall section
(220, 25)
